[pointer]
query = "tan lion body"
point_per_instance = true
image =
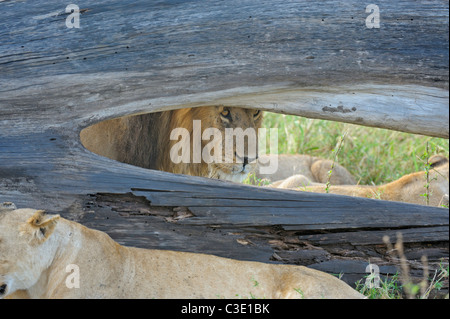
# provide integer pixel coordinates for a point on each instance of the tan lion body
(315, 169)
(144, 140)
(409, 188)
(36, 250)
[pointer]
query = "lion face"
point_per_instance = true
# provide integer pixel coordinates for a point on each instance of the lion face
(24, 250)
(223, 142)
(241, 125)
(190, 141)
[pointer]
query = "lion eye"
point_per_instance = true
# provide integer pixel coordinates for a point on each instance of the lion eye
(226, 114)
(257, 113)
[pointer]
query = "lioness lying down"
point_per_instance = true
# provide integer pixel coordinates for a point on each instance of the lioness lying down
(315, 169)
(409, 188)
(39, 252)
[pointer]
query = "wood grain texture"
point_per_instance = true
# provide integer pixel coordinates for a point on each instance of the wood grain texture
(312, 59)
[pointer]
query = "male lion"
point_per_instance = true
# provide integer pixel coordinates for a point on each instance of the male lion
(410, 188)
(45, 256)
(145, 141)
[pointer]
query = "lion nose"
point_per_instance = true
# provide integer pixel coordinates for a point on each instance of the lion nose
(245, 160)
(3, 289)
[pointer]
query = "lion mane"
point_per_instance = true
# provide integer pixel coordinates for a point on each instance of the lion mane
(145, 140)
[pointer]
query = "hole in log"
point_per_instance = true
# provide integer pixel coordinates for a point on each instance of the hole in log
(210, 141)
(311, 148)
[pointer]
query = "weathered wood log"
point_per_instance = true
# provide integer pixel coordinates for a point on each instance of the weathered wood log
(312, 59)
(317, 60)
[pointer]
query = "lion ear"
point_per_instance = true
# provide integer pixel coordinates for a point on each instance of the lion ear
(42, 226)
(437, 160)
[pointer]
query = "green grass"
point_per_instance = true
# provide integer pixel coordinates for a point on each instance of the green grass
(372, 155)
(391, 287)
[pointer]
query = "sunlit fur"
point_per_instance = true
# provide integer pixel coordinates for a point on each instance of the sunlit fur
(410, 188)
(33, 267)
